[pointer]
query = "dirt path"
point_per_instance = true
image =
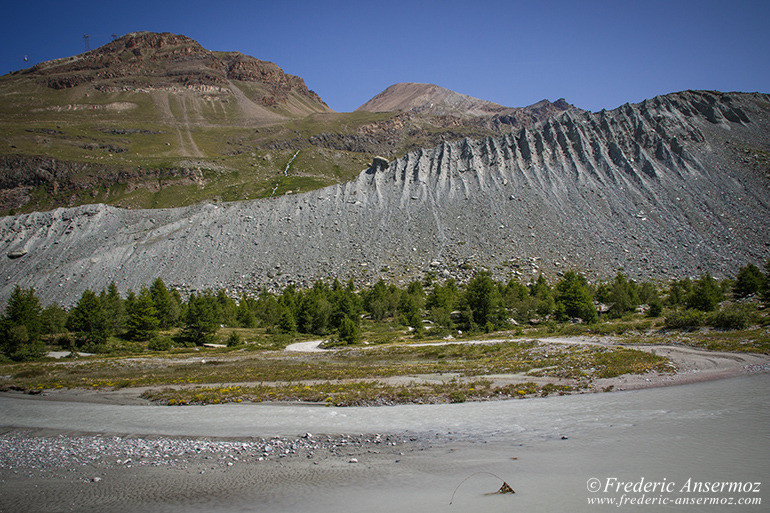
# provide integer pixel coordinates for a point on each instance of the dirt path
(186, 143)
(311, 346)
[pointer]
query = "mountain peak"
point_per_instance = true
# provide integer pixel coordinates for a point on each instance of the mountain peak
(435, 101)
(429, 98)
(161, 60)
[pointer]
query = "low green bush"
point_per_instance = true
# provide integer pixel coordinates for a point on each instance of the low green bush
(734, 318)
(234, 340)
(159, 343)
(684, 319)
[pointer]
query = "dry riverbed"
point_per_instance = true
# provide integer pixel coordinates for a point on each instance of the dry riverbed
(100, 472)
(229, 458)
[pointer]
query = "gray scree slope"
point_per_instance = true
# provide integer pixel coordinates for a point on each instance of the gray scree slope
(673, 186)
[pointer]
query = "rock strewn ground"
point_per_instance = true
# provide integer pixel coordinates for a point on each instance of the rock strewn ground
(21, 450)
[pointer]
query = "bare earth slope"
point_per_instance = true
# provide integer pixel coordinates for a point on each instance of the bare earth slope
(673, 186)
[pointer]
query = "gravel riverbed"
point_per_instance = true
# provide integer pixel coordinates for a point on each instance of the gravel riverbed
(26, 450)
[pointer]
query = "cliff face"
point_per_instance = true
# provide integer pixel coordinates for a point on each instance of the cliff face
(673, 186)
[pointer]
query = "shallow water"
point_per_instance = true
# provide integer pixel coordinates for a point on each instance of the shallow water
(713, 431)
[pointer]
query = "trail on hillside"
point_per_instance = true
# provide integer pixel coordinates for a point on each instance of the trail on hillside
(188, 143)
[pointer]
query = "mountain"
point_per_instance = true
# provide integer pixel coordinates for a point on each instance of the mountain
(443, 107)
(671, 187)
(168, 63)
(407, 96)
(155, 120)
(438, 101)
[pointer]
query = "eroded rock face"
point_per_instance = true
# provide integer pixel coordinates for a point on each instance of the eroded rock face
(673, 186)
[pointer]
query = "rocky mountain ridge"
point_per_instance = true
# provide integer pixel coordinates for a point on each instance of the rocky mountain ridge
(674, 186)
(416, 97)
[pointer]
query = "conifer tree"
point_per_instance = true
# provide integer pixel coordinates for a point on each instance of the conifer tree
(573, 298)
(88, 321)
(114, 308)
(348, 332)
(750, 280)
(482, 299)
(244, 313)
(53, 319)
(21, 326)
(705, 295)
(200, 323)
(166, 307)
(142, 322)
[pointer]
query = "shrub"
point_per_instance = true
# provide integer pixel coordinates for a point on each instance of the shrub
(684, 319)
(65, 341)
(656, 308)
(234, 340)
(159, 343)
(730, 319)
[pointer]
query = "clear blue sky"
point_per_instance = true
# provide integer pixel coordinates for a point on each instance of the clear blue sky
(594, 54)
